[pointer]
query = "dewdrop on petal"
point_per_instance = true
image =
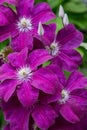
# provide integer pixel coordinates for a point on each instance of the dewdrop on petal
(61, 12)
(40, 29)
(65, 20)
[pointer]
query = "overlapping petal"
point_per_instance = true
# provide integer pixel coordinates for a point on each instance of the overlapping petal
(42, 13)
(18, 59)
(27, 94)
(71, 59)
(76, 81)
(24, 8)
(68, 114)
(44, 116)
(69, 37)
(38, 57)
(7, 88)
(7, 31)
(24, 39)
(6, 15)
(45, 80)
(16, 115)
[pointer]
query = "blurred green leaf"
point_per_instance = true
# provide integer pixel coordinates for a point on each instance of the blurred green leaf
(75, 7)
(3, 44)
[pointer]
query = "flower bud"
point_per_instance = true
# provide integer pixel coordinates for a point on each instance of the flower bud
(65, 19)
(40, 29)
(61, 12)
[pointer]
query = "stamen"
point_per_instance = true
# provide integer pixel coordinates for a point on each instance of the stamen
(24, 74)
(65, 96)
(24, 24)
(53, 49)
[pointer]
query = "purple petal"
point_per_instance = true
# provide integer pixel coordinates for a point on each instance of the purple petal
(71, 59)
(24, 39)
(44, 116)
(37, 44)
(6, 72)
(76, 81)
(42, 13)
(49, 34)
(16, 115)
(45, 80)
(38, 57)
(27, 95)
(7, 88)
(62, 124)
(7, 32)
(7, 127)
(78, 103)
(58, 71)
(68, 114)
(6, 15)
(25, 7)
(18, 59)
(69, 37)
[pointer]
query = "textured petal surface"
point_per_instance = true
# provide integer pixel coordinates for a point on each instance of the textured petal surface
(71, 59)
(38, 57)
(6, 15)
(49, 34)
(25, 7)
(16, 115)
(58, 71)
(6, 72)
(24, 39)
(7, 88)
(7, 32)
(44, 116)
(18, 59)
(76, 81)
(42, 13)
(45, 80)
(69, 37)
(68, 114)
(27, 95)
(62, 124)
(78, 104)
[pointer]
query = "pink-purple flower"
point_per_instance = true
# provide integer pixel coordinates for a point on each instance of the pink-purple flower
(24, 74)
(70, 99)
(22, 25)
(62, 46)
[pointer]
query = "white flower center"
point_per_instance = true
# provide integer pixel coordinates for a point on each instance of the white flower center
(24, 74)
(65, 96)
(24, 24)
(53, 49)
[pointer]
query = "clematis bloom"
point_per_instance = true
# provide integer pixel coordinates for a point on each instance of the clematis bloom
(23, 24)
(24, 74)
(62, 46)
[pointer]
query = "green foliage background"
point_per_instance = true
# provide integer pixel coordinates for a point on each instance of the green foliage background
(77, 12)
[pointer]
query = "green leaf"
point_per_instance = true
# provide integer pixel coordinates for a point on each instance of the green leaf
(76, 7)
(3, 44)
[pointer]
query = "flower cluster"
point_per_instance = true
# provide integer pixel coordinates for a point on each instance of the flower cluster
(34, 91)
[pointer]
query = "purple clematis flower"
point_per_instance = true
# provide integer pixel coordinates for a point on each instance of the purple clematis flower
(70, 99)
(24, 75)
(23, 24)
(19, 117)
(62, 46)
